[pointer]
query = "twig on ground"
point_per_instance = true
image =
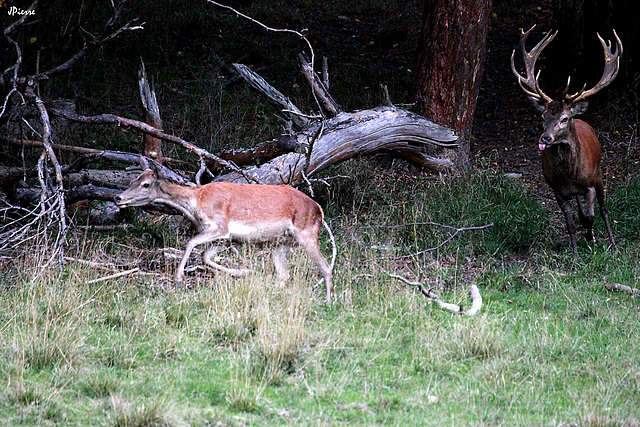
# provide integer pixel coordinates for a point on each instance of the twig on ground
(622, 288)
(358, 276)
(114, 276)
(474, 294)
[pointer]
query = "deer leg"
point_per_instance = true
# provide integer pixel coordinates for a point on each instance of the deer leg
(309, 241)
(208, 259)
(603, 211)
(565, 205)
(587, 217)
(281, 263)
(204, 237)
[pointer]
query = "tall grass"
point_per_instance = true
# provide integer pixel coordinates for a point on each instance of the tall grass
(550, 346)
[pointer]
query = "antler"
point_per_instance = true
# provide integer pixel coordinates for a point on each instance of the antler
(530, 84)
(611, 66)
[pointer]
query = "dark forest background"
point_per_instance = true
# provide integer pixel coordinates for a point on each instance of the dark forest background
(188, 48)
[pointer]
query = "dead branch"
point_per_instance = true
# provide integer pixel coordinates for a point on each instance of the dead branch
(113, 276)
(276, 30)
(107, 34)
(273, 95)
(456, 231)
(622, 288)
(319, 89)
(151, 147)
(20, 21)
(112, 119)
(474, 294)
(262, 153)
(80, 150)
(59, 213)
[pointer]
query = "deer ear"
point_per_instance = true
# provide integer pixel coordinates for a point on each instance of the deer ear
(160, 173)
(540, 104)
(579, 107)
(144, 164)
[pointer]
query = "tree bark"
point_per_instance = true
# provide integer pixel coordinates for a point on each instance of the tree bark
(450, 60)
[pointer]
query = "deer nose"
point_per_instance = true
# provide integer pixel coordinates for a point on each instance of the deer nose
(117, 199)
(546, 139)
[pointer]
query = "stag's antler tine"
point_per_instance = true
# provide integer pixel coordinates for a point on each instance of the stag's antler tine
(530, 83)
(611, 67)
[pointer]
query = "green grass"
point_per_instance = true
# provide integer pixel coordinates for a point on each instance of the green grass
(550, 345)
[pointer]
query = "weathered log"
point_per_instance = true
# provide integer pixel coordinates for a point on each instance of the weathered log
(349, 135)
(262, 153)
(75, 174)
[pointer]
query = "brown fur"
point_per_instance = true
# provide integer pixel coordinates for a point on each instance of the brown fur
(241, 212)
(571, 166)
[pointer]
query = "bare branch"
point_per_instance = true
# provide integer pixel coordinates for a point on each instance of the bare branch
(112, 119)
(275, 97)
(106, 35)
(455, 230)
(474, 294)
(319, 89)
(426, 292)
(151, 147)
(110, 155)
(622, 288)
(113, 276)
(277, 30)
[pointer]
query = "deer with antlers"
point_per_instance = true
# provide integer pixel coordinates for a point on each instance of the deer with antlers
(569, 147)
(242, 212)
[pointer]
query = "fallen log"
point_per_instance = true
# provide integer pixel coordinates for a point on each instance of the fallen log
(350, 135)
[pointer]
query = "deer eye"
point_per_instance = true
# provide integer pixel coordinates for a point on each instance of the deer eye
(145, 185)
(564, 120)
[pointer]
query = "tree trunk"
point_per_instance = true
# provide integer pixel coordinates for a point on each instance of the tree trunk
(451, 55)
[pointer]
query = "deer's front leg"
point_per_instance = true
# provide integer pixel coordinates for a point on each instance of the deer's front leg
(206, 236)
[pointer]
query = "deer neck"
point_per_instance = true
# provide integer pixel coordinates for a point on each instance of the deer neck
(179, 197)
(571, 140)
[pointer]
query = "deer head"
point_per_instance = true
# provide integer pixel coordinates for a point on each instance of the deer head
(558, 115)
(144, 189)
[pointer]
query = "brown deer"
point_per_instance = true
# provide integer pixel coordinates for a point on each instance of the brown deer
(241, 212)
(569, 147)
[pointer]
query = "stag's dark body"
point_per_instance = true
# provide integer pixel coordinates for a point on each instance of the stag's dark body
(571, 152)
(571, 167)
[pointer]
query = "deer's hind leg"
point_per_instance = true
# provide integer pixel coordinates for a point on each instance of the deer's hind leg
(280, 262)
(309, 241)
(604, 212)
(587, 215)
